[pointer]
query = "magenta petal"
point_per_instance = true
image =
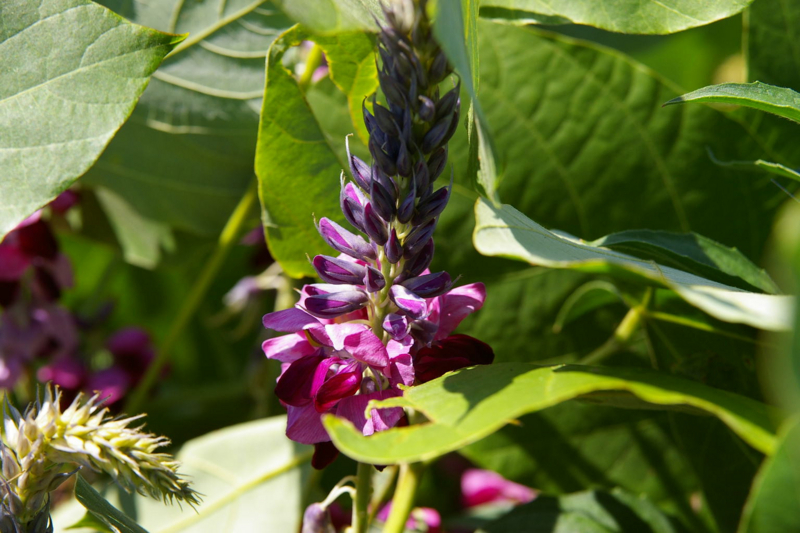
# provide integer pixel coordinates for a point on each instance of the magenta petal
(295, 384)
(289, 320)
(353, 407)
(360, 342)
(480, 487)
(13, 263)
(408, 302)
(288, 348)
(401, 370)
(334, 389)
(111, 383)
(456, 305)
(304, 425)
(396, 325)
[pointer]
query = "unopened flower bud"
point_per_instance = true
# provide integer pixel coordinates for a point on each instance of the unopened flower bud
(397, 326)
(359, 169)
(448, 103)
(432, 206)
(406, 209)
(427, 109)
(393, 248)
(316, 519)
(403, 160)
(421, 261)
(374, 226)
(335, 304)
(434, 137)
(352, 201)
(439, 68)
(409, 303)
(386, 162)
(345, 241)
(383, 201)
(429, 285)
(373, 280)
(385, 120)
(417, 239)
(436, 163)
(338, 271)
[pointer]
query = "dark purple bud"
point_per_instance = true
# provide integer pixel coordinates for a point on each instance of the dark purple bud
(421, 174)
(374, 226)
(358, 168)
(393, 90)
(383, 201)
(369, 120)
(452, 129)
(437, 162)
(344, 241)
(338, 271)
(417, 239)
(448, 103)
(404, 160)
(412, 90)
(351, 200)
(429, 285)
(432, 206)
(374, 280)
(434, 137)
(393, 248)
(316, 519)
(335, 304)
(397, 326)
(382, 159)
(37, 240)
(409, 303)
(385, 120)
(427, 109)
(439, 68)
(420, 74)
(406, 209)
(420, 262)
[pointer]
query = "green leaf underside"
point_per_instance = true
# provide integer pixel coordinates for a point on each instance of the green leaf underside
(333, 16)
(625, 16)
(198, 119)
(72, 73)
(249, 476)
(779, 101)
(775, 496)
(104, 511)
(588, 512)
(470, 404)
(692, 253)
(508, 233)
(297, 171)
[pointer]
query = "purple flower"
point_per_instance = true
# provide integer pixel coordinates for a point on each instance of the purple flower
(481, 487)
(132, 350)
(112, 384)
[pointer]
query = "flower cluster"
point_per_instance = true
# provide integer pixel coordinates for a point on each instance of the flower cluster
(381, 319)
(43, 446)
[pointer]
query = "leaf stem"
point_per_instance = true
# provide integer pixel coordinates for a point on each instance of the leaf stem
(226, 241)
(313, 61)
(363, 495)
(622, 335)
(403, 500)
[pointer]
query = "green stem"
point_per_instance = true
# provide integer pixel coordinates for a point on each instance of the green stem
(403, 501)
(363, 495)
(622, 335)
(313, 61)
(227, 240)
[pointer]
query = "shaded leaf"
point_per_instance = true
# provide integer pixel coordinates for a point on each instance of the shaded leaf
(779, 101)
(625, 16)
(473, 403)
(104, 511)
(72, 72)
(587, 297)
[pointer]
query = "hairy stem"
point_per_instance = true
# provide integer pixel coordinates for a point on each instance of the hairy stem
(233, 228)
(363, 495)
(403, 500)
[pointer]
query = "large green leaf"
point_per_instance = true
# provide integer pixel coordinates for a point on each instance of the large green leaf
(508, 233)
(72, 72)
(588, 512)
(250, 478)
(333, 16)
(780, 101)
(625, 16)
(775, 498)
(198, 120)
(473, 403)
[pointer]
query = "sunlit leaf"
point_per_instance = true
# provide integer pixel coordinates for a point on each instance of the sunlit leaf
(779, 101)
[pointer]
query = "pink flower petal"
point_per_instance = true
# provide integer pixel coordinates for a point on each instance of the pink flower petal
(353, 408)
(456, 305)
(289, 320)
(288, 348)
(480, 487)
(360, 342)
(340, 386)
(304, 425)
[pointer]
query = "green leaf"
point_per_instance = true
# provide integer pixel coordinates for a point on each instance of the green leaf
(775, 497)
(456, 29)
(198, 120)
(760, 165)
(470, 404)
(250, 477)
(90, 521)
(779, 101)
(624, 16)
(773, 49)
(588, 512)
(587, 297)
(508, 233)
(296, 168)
(333, 16)
(692, 253)
(104, 511)
(72, 73)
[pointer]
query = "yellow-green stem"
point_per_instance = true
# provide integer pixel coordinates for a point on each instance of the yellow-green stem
(403, 501)
(622, 335)
(230, 233)
(363, 495)
(313, 61)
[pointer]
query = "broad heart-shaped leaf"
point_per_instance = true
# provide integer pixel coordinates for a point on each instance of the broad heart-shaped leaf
(780, 101)
(692, 253)
(72, 72)
(588, 512)
(508, 233)
(624, 16)
(775, 497)
(250, 476)
(198, 120)
(333, 16)
(296, 168)
(470, 404)
(104, 511)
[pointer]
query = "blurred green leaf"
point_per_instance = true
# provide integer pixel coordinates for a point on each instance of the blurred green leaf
(773, 49)
(779, 101)
(333, 16)
(104, 511)
(250, 476)
(775, 497)
(508, 233)
(588, 512)
(296, 168)
(760, 165)
(587, 297)
(626, 16)
(72, 72)
(198, 120)
(473, 403)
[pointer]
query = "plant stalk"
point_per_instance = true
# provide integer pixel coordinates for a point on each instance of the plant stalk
(313, 61)
(227, 240)
(403, 501)
(363, 495)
